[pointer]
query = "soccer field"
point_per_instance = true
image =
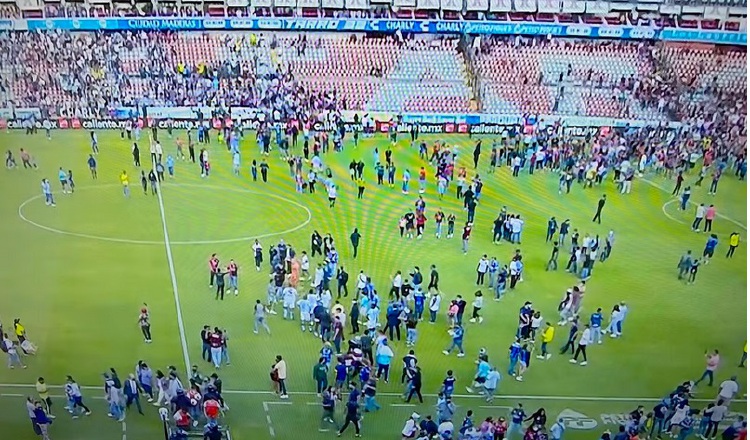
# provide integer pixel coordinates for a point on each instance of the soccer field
(78, 273)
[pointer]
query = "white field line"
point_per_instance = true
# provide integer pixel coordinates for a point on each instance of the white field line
(462, 396)
(729, 219)
(173, 276)
(268, 419)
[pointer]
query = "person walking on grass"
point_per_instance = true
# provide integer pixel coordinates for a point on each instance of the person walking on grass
(75, 398)
(354, 238)
(329, 410)
(11, 349)
(41, 389)
(712, 364)
(144, 322)
(41, 419)
(259, 312)
(599, 208)
(132, 393)
(154, 181)
(734, 241)
(583, 342)
(352, 417)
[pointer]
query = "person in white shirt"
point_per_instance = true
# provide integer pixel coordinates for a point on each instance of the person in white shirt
(482, 267)
(411, 428)
(434, 307)
(477, 304)
(396, 285)
(361, 281)
(700, 213)
(305, 266)
(728, 389)
(331, 195)
(582, 343)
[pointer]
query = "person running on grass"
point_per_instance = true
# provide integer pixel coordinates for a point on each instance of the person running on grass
(92, 166)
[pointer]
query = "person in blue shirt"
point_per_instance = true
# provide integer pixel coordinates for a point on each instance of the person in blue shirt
(418, 304)
(63, 176)
(596, 326)
(711, 244)
(327, 353)
(517, 415)
(483, 369)
(457, 342)
(467, 423)
(341, 374)
(514, 354)
(92, 166)
(449, 384)
(492, 272)
(170, 165)
(551, 229)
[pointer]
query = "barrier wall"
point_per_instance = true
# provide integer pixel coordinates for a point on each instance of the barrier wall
(380, 25)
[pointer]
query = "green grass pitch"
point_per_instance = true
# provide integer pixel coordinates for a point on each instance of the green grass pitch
(78, 273)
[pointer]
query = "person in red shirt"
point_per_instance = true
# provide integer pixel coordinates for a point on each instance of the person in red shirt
(421, 220)
(212, 410)
(213, 267)
(465, 237)
(182, 419)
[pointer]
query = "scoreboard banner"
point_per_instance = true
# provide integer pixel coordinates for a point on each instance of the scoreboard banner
(380, 25)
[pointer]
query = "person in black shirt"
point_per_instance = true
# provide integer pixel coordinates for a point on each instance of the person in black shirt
(415, 385)
(342, 277)
(315, 243)
(352, 416)
(206, 352)
(434, 279)
(461, 307)
(152, 179)
(477, 152)
(354, 317)
(553, 258)
(599, 207)
(220, 283)
(355, 240)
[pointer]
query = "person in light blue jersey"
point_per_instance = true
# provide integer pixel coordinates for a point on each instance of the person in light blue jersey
(47, 192)
(514, 355)
(63, 177)
(170, 165)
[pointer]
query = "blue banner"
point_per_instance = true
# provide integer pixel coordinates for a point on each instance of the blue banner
(384, 25)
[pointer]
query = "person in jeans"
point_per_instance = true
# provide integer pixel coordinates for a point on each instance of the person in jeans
(712, 363)
(457, 342)
(280, 369)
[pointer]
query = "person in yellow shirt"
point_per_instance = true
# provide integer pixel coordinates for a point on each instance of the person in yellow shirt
(41, 388)
(734, 241)
(548, 334)
(360, 188)
(19, 330)
(125, 183)
(744, 356)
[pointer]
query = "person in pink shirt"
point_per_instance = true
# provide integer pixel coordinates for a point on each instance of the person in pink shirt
(712, 363)
(710, 215)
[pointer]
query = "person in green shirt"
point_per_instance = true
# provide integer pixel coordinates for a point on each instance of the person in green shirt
(320, 375)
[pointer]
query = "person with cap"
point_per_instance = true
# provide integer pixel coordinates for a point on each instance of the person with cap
(144, 321)
(411, 427)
